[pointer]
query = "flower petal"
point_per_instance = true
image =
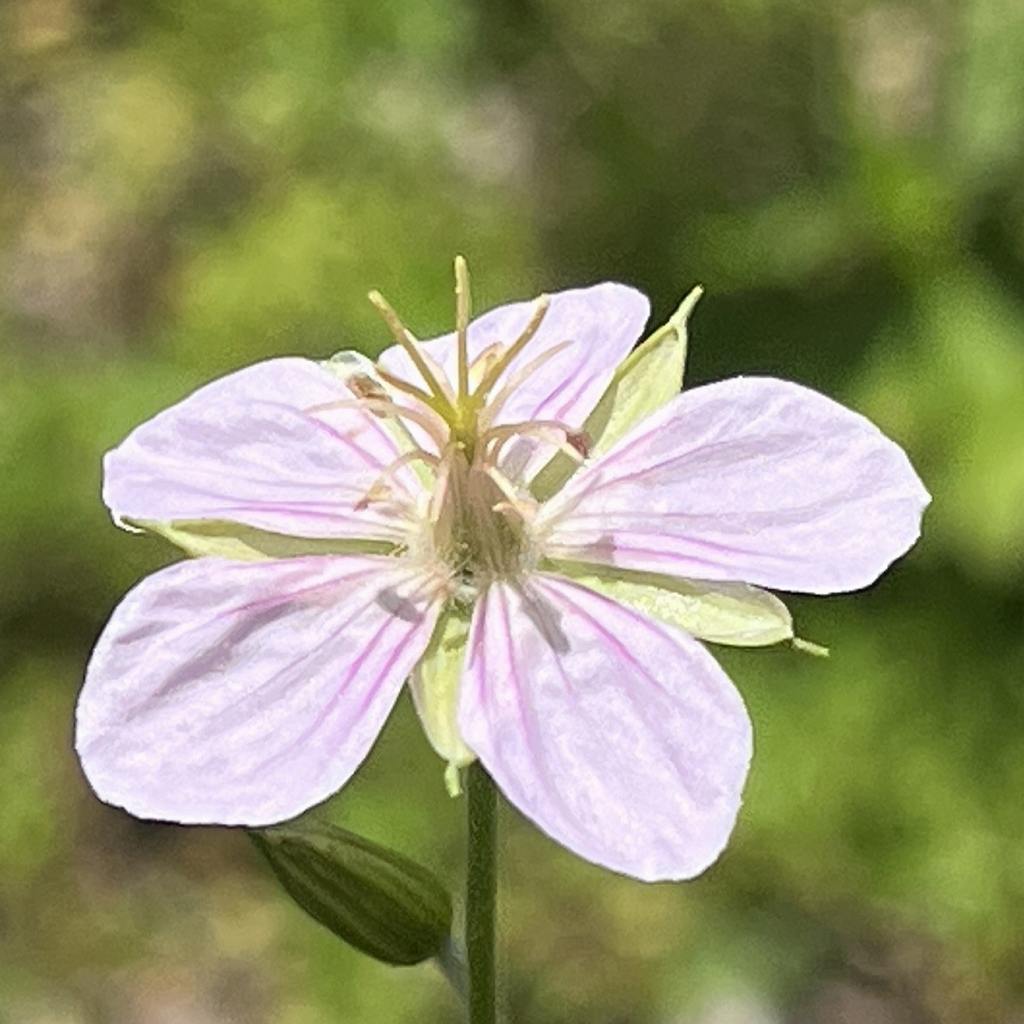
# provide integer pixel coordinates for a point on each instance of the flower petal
(735, 614)
(252, 448)
(620, 737)
(601, 324)
(753, 479)
(242, 693)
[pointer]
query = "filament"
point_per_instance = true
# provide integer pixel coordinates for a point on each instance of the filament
(427, 367)
(540, 309)
(380, 489)
(388, 409)
(494, 406)
(403, 385)
(574, 443)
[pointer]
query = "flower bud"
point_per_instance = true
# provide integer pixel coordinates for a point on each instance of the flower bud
(377, 900)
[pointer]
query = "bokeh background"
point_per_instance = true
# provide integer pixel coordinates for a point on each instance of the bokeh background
(187, 186)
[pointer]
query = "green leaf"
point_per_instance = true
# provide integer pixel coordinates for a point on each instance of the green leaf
(736, 614)
(649, 377)
(375, 899)
(435, 690)
(247, 544)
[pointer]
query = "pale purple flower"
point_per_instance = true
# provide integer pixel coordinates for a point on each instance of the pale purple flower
(360, 524)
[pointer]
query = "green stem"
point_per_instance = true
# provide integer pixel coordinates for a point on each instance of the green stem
(481, 894)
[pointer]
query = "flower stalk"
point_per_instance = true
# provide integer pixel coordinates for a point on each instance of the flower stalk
(481, 894)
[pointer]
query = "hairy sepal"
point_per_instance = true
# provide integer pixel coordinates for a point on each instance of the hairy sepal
(734, 614)
(435, 686)
(213, 537)
(649, 377)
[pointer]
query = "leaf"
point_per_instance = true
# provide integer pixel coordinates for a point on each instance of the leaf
(375, 899)
(736, 614)
(650, 376)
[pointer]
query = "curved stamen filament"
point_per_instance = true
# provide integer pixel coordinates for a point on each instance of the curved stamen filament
(389, 410)
(432, 374)
(540, 309)
(404, 386)
(481, 366)
(442, 480)
(494, 406)
(524, 508)
(381, 489)
(573, 442)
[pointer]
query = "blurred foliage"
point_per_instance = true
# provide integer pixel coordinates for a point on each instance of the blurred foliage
(186, 187)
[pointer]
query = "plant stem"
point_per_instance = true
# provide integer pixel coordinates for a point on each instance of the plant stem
(481, 894)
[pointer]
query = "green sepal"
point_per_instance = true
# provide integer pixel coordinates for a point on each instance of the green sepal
(649, 377)
(435, 690)
(811, 648)
(221, 539)
(375, 899)
(735, 614)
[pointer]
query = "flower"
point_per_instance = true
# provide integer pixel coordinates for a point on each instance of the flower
(523, 518)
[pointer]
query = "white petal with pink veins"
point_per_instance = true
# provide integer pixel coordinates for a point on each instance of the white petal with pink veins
(752, 479)
(620, 737)
(242, 693)
(267, 447)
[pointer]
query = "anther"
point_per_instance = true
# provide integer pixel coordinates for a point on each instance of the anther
(579, 441)
(362, 385)
(378, 492)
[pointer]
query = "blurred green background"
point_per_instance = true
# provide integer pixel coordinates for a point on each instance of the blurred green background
(187, 186)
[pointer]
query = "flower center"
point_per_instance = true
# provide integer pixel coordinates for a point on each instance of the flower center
(479, 508)
(480, 524)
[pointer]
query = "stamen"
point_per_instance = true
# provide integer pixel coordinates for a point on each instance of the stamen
(403, 385)
(540, 310)
(427, 367)
(481, 366)
(524, 508)
(504, 484)
(387, 409)
(380, 489)
(442, 480)
(575, 443)
(362, 385)
(494, 406)
(377, 492)
(462, 313)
